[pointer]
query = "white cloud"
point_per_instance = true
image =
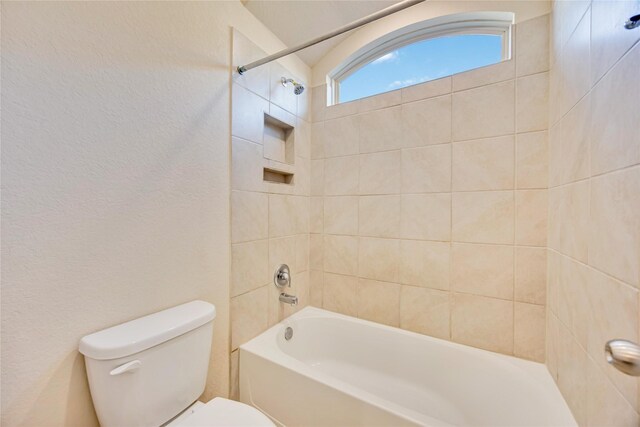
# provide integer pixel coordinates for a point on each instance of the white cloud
(407, 82)
(387, 57)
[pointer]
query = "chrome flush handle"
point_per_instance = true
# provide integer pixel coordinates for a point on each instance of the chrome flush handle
(624, 356)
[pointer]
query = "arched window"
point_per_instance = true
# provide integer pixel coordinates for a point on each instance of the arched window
(423, 51)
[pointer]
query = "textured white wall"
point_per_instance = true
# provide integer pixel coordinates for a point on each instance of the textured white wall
(115, 182)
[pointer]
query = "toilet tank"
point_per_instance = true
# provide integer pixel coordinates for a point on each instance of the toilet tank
(146, 371)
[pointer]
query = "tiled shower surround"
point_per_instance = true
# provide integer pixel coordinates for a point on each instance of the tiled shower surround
(594, 206)
(269, 221)
(445, 208)
(429, 204)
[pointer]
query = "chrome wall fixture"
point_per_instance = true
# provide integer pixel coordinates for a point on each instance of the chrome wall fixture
(633, 22)
(282, 279)
(297, 87)
(359, 23)
(624, 356)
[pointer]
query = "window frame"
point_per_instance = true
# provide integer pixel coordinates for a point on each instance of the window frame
(481, 23)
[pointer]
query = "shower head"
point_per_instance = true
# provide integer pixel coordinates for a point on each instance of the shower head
(297, 87)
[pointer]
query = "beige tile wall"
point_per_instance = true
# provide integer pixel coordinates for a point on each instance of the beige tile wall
(269, 221)
(594, 206)
(429, 204)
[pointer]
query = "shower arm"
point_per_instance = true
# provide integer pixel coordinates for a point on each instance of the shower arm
(359, 23)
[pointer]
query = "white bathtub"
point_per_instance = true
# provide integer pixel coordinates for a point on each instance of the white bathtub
(342, 371)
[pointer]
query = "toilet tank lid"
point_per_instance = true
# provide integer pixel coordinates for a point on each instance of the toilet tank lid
(148, 331)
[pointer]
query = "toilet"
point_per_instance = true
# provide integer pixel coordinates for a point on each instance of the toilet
(150, 372)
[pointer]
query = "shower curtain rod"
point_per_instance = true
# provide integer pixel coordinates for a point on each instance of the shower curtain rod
(359, 23)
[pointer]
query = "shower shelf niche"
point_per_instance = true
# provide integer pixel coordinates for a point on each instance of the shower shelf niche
(278, 141)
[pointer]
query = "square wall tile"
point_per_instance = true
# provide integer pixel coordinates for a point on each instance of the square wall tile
(614, 128)
(318, 102)
(316, 215)
(425, 264)
(379, 216)
(341, 136)
(317, 140)
(340, 294)
(379, 101)
(283, 251)
(494, 73)
(425, 311)
(426, 216)
(317, 184)
(288, 215)
(381, 130)
(249, 266)
(484, 112)
(483, 217)
(247, 110)
(343, 109)
(380, 173)
(569, 219)
(614, 229)
(426, 122)
(531, 160)
(379, 302)
(482, 270)
(532, 54)
(532, 102)
(575, 64)
(529, 331)
(484, 164)
(531, 275)
(302, 253)
(316, 279)
(426, 90)
(426, 169)
(569, 145)
(613, 314)
(573, 302)
(531, 217)
(551, 344)
(379, 259)
(572, 374)
(341, 254)
(341, 176)
(246, 166)
(341, 215)
(482, 322)
(244, 52)
(609, 39)
(605, 405)
(249, 216)
(316, 252)
(303, 138)
(249, 316)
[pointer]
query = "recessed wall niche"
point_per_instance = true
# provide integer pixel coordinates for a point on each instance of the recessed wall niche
(278, 142)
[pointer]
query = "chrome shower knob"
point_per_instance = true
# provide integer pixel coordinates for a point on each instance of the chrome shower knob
(282, 276)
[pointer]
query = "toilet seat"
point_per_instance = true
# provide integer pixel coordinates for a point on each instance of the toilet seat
(220, 412)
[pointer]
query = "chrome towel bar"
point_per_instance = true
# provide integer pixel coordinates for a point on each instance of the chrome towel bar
(624, 356)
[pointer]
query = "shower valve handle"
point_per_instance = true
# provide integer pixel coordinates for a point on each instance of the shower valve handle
(282, 276)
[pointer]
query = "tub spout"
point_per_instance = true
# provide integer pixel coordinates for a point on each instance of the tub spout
(288, 299)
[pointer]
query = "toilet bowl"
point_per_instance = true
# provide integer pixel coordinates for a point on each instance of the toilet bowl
(220, 412)
(145, 372)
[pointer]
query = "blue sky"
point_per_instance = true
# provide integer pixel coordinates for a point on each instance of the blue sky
(420, 62)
